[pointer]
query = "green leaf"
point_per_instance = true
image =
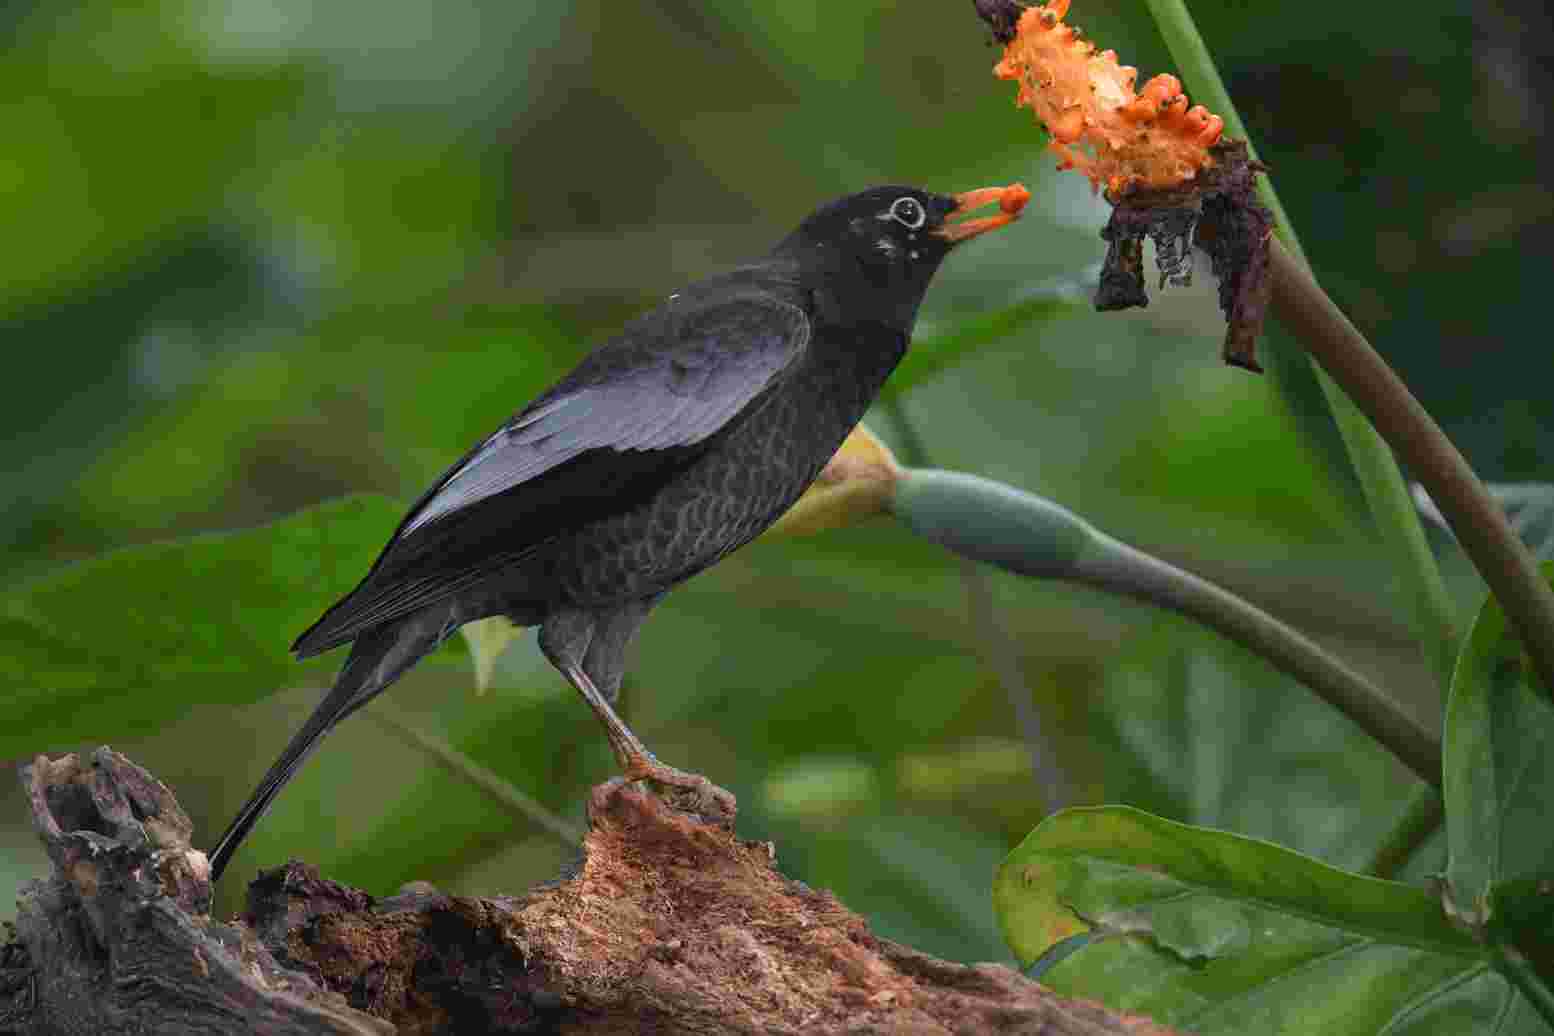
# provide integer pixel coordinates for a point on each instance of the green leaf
(1528, 506)
(932, 355)
(1219, 933)
(85, 89)
(1193, 727)
(1223, 448)
(267, 423)
(921, 880)
(126, 642)
(1498, 772)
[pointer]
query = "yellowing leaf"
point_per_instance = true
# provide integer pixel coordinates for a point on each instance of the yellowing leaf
(487, 639)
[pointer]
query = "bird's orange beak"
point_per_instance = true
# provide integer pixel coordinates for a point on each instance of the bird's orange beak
(1011, 201)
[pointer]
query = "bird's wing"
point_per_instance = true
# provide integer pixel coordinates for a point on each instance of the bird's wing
(653, 396)
(634, 413)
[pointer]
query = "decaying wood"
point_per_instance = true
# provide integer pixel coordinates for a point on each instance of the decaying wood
(669, 924)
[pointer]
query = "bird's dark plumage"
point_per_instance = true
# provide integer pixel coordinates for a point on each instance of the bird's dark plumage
(674, 443)
(632, 415)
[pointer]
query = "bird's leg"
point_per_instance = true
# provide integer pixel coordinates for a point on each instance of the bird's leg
(589, 649)
(638, 764)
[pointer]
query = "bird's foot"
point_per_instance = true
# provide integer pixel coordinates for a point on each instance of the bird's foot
(690, 792)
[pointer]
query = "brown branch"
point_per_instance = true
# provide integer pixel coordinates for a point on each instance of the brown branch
(1477, 521)
(669, 924)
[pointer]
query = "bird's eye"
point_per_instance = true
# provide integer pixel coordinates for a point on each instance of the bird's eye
(909, 213)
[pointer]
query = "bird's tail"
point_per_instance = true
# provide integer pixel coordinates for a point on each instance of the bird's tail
(378, 658)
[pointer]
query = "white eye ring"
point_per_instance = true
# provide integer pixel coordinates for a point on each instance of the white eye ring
(909, 213)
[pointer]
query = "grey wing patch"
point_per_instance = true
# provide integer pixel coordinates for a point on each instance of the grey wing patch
(676, 392)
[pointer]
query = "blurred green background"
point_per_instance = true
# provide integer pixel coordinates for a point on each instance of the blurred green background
(261, 253)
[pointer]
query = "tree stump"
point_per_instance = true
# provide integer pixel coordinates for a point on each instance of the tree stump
(668, 924)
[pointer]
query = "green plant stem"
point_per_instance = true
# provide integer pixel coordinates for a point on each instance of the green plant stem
(1197, 67)
(1386, 494)
(999, 649)
(986, 520)
(1421, 818)
(462, 766)
(1123, 569)
(1475, 519)
(1400, 532)
(1516, 967)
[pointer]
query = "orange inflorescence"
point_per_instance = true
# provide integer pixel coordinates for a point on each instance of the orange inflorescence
(1118, 138)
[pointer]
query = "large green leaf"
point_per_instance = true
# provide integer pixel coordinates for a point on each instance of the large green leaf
(1498, 771)
(1219, 933)
(126, 642)
(1198, 729)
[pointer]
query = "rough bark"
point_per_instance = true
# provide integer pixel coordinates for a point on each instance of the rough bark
(669, 924)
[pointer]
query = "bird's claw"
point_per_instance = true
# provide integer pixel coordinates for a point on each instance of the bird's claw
(688, 792)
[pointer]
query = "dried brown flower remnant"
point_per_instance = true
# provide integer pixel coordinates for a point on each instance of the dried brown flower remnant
(1002, 16)
(1118, 138)
(1217, 211)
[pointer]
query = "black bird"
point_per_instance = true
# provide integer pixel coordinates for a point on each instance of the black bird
(674, 443)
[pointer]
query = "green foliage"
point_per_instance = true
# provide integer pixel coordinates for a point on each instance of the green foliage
(98, 197)
(1219, 933)
(1499, 767)
(260, 261)
(126, 642)
(823, 790)
(1530, 508)
(1229, 449)
(932, 355)
(939, 864)
(233, 437)
(1184, 718)
(436, 822)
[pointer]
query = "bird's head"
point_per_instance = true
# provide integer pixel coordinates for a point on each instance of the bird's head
(879, 249)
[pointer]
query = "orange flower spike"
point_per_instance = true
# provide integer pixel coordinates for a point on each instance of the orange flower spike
(1014, 199)
(1118, 138)
(1162, 88)
(1212, 131)
(1068, 126)
(1140, 110)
